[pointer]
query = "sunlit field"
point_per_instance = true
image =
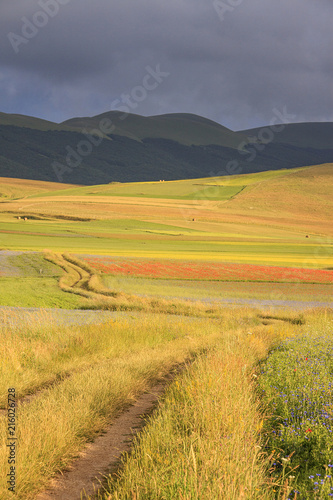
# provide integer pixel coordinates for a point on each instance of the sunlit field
(220, 289)
(94, 371)
(29, 280)
(154, 265)
(276, 218)
(266, 435)
(296, 384)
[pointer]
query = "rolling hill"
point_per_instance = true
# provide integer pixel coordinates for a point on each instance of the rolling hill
(280, 217)
(12, 189)
(316, 135)
(113, 147)
(186, 129)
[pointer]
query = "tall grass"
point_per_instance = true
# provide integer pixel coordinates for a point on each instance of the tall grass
(110, 365)
(205, 440)
(296, 383)
(41, 353)
(89, 374)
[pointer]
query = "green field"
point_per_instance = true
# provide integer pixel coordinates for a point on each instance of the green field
(179, 220)
(36, 284)
(213, 188)
(218, 251)
(72, 379)
(35, 292)
(219, 290)
(279, 218)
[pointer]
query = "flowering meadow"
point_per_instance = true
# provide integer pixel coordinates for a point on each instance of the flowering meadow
(297, 385)
(207, 270)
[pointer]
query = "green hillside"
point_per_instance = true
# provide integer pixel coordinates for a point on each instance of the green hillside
(30, 122)
(136, 148)
(210, 188)
(184, 128)
(317, 135)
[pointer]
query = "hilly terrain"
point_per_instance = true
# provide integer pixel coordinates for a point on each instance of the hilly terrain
(270, 217)
(113, 147)
(315, 135)
(11, 188)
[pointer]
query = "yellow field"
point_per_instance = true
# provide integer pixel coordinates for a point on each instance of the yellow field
(276, 218)
(11, 188)
(71, 381)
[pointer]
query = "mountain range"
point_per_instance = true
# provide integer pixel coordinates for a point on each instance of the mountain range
(118, 147)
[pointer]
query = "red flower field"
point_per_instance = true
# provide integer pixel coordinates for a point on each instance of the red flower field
(170, 269)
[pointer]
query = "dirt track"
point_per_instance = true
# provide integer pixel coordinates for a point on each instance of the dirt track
(102, 457)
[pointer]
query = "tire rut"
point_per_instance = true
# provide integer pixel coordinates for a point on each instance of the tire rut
(103, 457)
(28, 398)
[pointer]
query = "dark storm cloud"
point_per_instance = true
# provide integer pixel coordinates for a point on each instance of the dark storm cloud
(229, 60)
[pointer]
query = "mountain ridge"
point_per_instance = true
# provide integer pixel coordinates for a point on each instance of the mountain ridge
(114, 147)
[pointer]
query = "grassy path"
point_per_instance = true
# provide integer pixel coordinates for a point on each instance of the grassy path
(102, 457)
(204, 441)
(81, 279)
(109, 366)
(209, 437)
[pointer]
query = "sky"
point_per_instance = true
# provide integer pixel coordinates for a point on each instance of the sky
(237, 62)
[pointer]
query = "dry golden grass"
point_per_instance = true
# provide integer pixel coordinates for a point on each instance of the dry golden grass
(304, 197)
(19, 188)
(205, 440)
(107, 367)
(90, 373)
(299, 200)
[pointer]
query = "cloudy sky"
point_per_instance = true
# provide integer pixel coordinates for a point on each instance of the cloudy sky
(233, 61)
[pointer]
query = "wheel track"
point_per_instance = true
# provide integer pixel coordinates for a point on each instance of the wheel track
(102, 457)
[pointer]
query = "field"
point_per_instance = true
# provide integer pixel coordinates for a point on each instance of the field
(117, 361)
(157, 267)
(296, 381)
(12, 189)
(209, 271)
(219, 219)
(271, 227)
